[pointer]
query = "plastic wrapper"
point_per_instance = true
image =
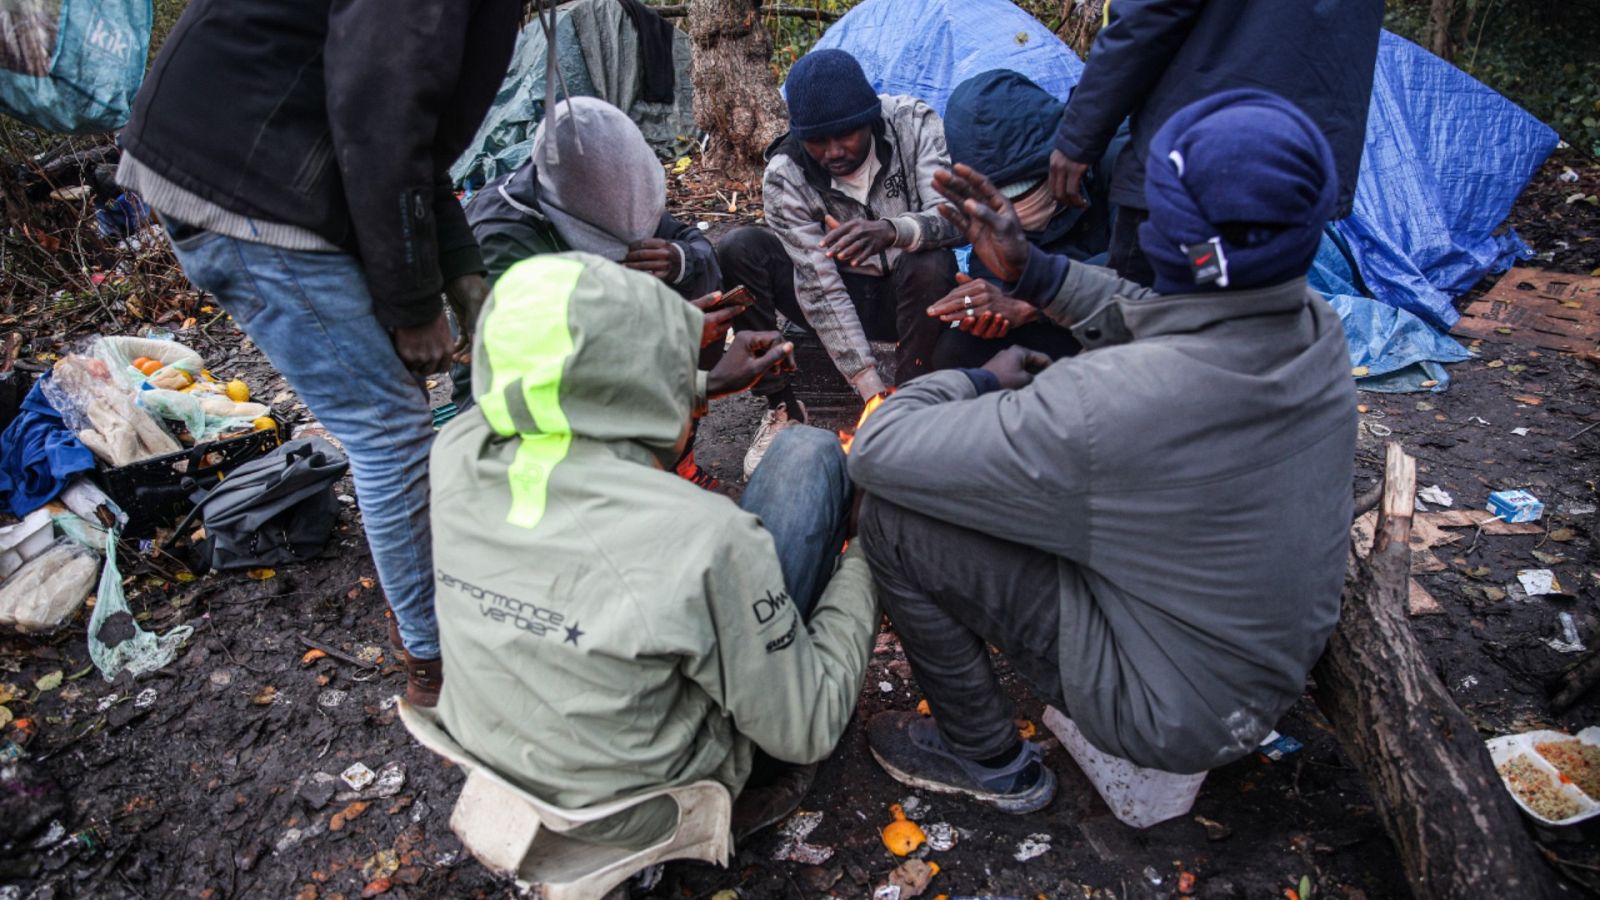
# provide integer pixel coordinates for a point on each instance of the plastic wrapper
(103, 414)
(116, 642)
(49, 588)
(180, 365)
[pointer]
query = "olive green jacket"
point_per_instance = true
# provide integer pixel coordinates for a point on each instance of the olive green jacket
(607, 627)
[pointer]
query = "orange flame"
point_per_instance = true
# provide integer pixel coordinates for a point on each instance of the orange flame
(846, 438)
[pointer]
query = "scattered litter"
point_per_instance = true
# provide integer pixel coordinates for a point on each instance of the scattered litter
(146, 699)
(922, 708)
(1277, 746)
(107, 702)
(912, 806)
(1562, 535)
(1152, 876)
(49, 588)
(1515, 506)
(1436, 495)
(1032, 846)
(887, 892)
(1567, 176)
(793, 846)
(1579, 510)
(941, 836)
(910, 878)
(1536, 783)
(1520, 432)
(370, 655)
(1026, 729)
(331, 698)
(1467, 683)
(1570, 641)
(221, 678)
(886, 687)
(1377, 430)
(391, 779)
(1479, 420)
(1215, 831)
(358, 776)
(1538, 582)
(381, 865)
(902, 835)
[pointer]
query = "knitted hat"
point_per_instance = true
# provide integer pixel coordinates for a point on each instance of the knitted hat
(828, 94)
(1239, 186)
(608, 189)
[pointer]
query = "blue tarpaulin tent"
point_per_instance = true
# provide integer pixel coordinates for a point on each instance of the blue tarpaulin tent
(1445, 159)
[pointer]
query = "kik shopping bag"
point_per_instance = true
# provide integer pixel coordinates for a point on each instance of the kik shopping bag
(72, 65)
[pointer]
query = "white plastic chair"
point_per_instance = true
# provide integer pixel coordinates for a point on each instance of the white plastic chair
(512, 833)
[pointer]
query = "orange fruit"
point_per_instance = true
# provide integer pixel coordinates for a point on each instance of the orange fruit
(238, 391)
(147, 366)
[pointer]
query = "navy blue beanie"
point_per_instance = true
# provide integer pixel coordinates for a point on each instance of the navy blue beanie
(828, 94)
(1241, 183)
(1002, 124)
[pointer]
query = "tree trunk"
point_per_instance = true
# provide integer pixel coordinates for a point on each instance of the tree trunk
(1458, 831)
(736, 96)
(1080, 22)
(1441, 20)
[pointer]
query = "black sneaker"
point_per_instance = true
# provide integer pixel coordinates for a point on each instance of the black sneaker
(910, 749)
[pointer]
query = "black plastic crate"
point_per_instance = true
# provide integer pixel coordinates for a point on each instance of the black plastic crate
(157, 492)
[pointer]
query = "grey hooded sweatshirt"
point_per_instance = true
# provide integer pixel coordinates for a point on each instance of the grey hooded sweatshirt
(1192, 471)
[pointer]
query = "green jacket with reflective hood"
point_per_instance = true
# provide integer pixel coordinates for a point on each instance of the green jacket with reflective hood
(607, 627)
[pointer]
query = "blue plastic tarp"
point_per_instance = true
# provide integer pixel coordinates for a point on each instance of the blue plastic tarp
(924, 48)
(1400, 351)
(72, 65)
(1445, 159)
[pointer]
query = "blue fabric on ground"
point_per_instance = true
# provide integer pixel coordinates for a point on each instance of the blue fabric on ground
(924, 48)
(39, 454)
(1445, 159)
(1400, 350)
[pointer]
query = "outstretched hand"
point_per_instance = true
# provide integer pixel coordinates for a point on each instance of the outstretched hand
(985, 216)
(981, 309)
(1015, 366)
(717, 319)
(752, 355)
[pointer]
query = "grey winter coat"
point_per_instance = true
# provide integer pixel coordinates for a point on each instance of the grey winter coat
(798, 194)
(1192, 471)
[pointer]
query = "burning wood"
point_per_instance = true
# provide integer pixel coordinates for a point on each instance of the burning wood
(848, 437)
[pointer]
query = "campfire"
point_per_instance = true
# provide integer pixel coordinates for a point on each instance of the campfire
(847, 437)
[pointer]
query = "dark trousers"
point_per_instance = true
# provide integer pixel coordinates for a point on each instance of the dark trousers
(891, 308)
(950, 593)
(1125, 256)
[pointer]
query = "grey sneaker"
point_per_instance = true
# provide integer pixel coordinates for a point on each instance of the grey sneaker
(910, 749)
(772, 421)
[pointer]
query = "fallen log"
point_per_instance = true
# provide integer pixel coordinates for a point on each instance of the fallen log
(1457, 829)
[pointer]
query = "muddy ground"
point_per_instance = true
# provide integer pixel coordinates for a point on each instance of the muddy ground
(217, 777)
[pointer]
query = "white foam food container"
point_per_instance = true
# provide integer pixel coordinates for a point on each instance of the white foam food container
(1507, 746)
(1137, 796)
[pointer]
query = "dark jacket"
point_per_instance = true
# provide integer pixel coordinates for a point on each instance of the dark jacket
(339, 116)
(510, 226)
(1157, 56)
(1190, 470)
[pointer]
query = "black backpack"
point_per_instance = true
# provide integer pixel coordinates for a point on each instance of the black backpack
(276, 509)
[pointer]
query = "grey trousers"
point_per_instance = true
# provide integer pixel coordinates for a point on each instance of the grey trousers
(950, 593)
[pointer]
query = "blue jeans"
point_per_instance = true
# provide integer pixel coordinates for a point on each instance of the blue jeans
(802, 495)
(312, 315)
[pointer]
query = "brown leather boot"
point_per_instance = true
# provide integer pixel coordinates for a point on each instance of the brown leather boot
(424, 678)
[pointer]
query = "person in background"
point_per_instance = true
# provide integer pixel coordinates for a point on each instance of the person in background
(608, 628)
(297, 152)
(607, 195)
(856, 251)
(1154, 57)
(1154, 531)
(1001, 123)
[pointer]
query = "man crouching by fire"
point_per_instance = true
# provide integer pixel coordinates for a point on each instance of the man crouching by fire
(1153, 532)
(607, 627)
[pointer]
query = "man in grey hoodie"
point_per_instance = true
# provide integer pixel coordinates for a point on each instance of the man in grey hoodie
(1154, 531)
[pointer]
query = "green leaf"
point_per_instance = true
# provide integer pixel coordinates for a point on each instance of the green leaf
(50, 682)
(1305, 887)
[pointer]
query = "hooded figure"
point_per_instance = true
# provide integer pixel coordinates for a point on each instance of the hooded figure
(610, 628)
(1004, 125)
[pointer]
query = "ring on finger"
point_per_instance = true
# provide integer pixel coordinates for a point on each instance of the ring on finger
(966, 300)
(969, 312)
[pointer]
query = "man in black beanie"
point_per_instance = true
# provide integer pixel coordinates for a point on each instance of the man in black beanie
(857, 250)
(1154, 531)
